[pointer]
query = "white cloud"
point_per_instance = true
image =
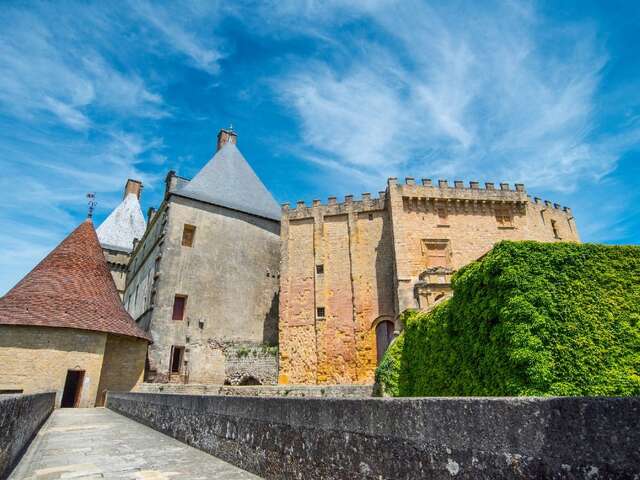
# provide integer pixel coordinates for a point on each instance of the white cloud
(48, 69)
(177, 24)
(496, 93)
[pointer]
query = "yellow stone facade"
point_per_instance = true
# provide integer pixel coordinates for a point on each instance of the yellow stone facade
(347, 267)
(37, 359)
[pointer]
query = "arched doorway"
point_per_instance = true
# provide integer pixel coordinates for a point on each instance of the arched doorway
(250, 381)
(384, 335)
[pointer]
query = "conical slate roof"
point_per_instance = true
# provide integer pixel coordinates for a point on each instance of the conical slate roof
(229, 181)
(71, 288)
(125, 223)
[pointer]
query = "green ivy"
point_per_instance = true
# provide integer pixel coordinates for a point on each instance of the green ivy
(529, 318)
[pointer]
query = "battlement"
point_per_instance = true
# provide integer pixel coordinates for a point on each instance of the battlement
(365, 204)
(546, 204)
(426, 188)
(444, 191)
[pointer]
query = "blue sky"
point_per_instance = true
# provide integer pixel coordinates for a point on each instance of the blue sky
(328, 98)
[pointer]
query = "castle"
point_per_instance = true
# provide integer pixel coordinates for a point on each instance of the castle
(203, 279)
(349, 269)
(232, 288)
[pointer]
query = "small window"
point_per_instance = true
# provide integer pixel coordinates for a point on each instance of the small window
(320, 313)
(554, 227)
(179, 304)
(320, 269)
(177, 354)
(188, 235)
(371, 216)
(504, 218)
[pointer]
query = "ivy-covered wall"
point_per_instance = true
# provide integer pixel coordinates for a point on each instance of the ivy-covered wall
(527, 319)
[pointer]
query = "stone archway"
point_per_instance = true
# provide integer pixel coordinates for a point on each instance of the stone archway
(250, 380)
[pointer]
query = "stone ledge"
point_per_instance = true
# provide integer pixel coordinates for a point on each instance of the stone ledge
(21, 416)
(402, 438)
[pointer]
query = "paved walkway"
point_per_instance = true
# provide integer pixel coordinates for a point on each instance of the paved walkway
(98, 443)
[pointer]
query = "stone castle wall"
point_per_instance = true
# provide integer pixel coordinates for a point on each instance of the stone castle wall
(352, 243)
(36, 359)
(21, 416)
(404, 438)
(122, 365)
(375, 262)
(225, 308)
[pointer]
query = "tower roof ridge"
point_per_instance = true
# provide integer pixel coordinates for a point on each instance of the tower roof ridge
(229, 181)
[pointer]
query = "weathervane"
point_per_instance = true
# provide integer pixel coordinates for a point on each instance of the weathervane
(91, 201)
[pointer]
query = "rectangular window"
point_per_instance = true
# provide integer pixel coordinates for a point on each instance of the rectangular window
(188, 235)
(179, 304)
(320, 313)
(554, 227)
(437, 253)
(504, 218)
(320, 269)
(177, 354)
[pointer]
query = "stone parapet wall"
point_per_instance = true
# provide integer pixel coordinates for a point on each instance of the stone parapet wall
(435, 438)
(21, 416)
(324, 391)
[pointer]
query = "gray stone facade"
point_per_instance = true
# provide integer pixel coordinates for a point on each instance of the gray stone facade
(228, 278)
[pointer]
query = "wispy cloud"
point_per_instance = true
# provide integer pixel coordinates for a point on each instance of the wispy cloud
(187, 28)
(474, 93)
(46, 70)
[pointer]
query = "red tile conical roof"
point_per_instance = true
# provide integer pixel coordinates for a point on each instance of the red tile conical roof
(71, 288)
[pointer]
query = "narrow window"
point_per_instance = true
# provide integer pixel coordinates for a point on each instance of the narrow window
(179, 303)
(320, 269)
(176, 359)
(188, 235)
(371, 216)
(554, 227)
(443, 215)
(320, 313)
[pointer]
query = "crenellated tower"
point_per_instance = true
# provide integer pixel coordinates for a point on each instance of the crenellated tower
(350, 268)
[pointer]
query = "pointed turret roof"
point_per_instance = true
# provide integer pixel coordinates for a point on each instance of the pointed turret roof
(229, 181)
(123, 224)
(71, 288)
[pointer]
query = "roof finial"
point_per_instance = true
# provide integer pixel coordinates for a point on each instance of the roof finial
(91, 202)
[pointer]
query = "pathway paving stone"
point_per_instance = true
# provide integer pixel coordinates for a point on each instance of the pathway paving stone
(96, 443)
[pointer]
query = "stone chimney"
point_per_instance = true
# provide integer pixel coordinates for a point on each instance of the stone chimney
(226, 135)
(133, 186)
